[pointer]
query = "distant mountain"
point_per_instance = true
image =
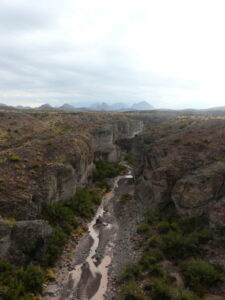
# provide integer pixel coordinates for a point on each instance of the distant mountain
(45, 107)
(101, 106)
(22, 107)
(217, 108)
(119, 106)
(67, 107)
(143, 105)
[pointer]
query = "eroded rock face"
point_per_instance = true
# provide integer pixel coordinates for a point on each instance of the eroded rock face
(23, 240)
(183, 161)
(199, 191)
(45, 158)
(48, 163)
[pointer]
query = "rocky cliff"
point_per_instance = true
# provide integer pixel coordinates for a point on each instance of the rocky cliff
(45, 157)
(182, 160)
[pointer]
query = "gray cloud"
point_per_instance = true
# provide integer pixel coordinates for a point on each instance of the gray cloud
(43, 60)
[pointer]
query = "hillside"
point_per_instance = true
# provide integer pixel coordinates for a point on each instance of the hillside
(158, 177)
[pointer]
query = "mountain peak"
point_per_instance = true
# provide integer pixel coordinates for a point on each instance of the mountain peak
(142, 105)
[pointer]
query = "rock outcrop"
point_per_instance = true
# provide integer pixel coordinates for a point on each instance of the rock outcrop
(45, 157)
(183, 161)
(23, 240)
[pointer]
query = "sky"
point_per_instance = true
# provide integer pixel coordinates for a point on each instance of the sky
(168, 53)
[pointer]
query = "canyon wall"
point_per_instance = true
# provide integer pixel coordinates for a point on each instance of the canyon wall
(183, 161)
(46, 160)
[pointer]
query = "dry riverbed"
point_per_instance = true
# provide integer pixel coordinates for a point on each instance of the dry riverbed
(99, 255)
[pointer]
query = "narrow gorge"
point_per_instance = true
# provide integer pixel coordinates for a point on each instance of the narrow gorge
(126, 206)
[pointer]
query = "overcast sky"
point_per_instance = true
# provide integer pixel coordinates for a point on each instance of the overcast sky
(170, 53)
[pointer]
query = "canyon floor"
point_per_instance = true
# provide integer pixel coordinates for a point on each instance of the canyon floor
(101, 253)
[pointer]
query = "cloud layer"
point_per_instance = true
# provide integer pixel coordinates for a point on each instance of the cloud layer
(169, 53)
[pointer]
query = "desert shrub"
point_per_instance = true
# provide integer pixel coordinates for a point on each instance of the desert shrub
(106, 169)
(156, 270)
(14, 158)
(176, 245)
(55, 243)
(103, 185)
(194, 223)
(143, 228)
(50, 274)
(183, 126)
(21, 186)
(163, 227)
(200, 275)
(125, 197)
(151, 217)
(128, 157)
(156, 242)
(150, 257)
(58, 214)
(203, 236)
(19, 283)
(164, 205)
(184, 294)
(132, 291)
(62, 217)
(159, 289)
(82, 203)
(33, 279)
(130, 272)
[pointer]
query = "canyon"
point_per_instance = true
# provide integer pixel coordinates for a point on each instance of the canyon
(46, 157)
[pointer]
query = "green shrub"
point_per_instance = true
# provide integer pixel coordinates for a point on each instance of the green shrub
(14, 158)
(82, 203)
(159, 289)
(200, 275)
(163, 227)
(176, 245)
(164, 205)
(33, 279)
(151, 217)
(59, 215)
(130, 272)
(157, 271)
(183, 126)
(55, 243)
(106, 169)
(125, 197)
(103, 185)
(62, 217)
(132, 291)
(19, 283)
(156, 242)
(184, 294)
(128, 157)
(150, 257)
(143, 228)
(194, 223)
(203, 236)
(21, 186)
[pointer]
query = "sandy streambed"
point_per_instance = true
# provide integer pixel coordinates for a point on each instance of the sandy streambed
(90, 274)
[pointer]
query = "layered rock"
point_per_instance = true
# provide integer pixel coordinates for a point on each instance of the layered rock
(23, 240)
(183, 161)
(45, 160)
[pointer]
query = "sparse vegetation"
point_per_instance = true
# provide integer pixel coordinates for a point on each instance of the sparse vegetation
(20, 283)
(125, 197)
(201, 275)
(106, 169)
(62, 216)
(128, 157)
(14, 158)
(167, 236)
